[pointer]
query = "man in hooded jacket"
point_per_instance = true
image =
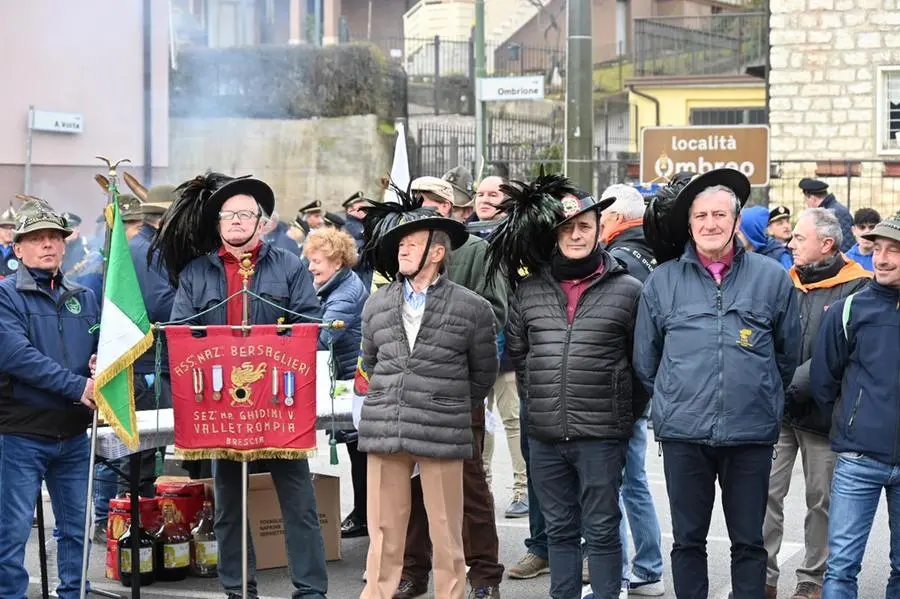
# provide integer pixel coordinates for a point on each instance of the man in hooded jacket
(754, 225)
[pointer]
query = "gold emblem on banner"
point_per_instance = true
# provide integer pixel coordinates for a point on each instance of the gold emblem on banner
(241, 379)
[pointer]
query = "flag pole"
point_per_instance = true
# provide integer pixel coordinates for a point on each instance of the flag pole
(111, 195)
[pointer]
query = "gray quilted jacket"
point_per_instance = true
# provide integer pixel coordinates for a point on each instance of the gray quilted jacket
(421, 402)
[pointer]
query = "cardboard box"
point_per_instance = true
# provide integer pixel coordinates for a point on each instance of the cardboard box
(267, 525)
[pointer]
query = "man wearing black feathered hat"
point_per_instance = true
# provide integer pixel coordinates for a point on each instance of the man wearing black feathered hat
(570, 339)
(429, 348)
(209, 243)
(716, 343)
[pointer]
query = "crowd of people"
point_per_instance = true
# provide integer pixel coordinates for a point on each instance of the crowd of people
(748, 335)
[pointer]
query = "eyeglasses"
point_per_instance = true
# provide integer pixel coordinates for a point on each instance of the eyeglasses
(241, 214)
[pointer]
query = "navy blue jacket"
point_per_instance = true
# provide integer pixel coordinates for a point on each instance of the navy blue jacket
(343, 298)
(279, 238)
(89, 273)
(859, 374)
(717, 359)
(280, 278)
(158, 294)
(844, 217)
(47, 336)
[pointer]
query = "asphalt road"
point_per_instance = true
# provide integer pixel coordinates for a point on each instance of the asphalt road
(345, 576)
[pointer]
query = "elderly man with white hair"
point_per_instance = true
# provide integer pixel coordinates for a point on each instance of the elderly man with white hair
(623, 230)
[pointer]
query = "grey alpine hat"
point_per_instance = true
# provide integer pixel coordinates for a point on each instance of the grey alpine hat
(889, 228)
(40, 220)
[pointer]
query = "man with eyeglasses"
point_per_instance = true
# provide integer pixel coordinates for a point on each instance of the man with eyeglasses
(215, 225)
(864, 221)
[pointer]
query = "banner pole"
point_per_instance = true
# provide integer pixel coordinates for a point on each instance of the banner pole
(111, 194)
(245, 322)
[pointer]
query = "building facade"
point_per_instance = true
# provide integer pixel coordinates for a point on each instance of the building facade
(84, 58)
(835, 100)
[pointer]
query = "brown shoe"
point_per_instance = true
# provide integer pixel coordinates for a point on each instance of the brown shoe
(807, 590)
(530, 566)
(410, 589)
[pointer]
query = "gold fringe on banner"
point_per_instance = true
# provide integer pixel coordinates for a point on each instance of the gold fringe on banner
(244, 455)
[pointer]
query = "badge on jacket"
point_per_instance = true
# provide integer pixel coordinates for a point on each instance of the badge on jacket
(12, 264)
(73, 305)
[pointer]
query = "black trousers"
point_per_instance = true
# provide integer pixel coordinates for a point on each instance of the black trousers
(691, 471)
(358, 476)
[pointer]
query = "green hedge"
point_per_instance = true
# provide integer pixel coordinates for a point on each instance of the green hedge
(286, 82)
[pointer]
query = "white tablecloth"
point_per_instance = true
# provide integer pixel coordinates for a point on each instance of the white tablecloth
(159, 433)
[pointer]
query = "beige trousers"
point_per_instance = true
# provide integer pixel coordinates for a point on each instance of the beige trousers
(818, 467)
(506, 398)
(388, 516)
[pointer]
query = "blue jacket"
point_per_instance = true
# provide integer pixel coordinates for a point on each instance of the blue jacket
(858, 374)
(280, 278)
(864, 260)
(279, 238)
(343, 297)
(754, 223)
(844, 217)
(158, 294)
(717, 359)
(89, 273)
(47, 335)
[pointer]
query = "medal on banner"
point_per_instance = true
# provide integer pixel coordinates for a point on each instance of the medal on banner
(274, 386)
(197, 374)
(289, 388)
(218, 382)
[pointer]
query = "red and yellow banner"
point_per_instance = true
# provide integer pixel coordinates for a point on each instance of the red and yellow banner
(244, 397)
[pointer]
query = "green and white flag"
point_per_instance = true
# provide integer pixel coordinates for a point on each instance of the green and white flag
(124, 335)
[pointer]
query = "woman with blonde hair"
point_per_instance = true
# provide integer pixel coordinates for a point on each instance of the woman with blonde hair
(332, 256)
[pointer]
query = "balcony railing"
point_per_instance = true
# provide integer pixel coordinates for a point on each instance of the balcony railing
(722, 44)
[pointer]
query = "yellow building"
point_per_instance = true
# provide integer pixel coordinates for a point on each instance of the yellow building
(683, 101)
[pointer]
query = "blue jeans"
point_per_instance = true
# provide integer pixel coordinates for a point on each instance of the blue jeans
(24, 463)
(743, 474)
(578, 483)
(636, 501)
(104, 490)
(536, 543)
(305, 548)
(855, 491)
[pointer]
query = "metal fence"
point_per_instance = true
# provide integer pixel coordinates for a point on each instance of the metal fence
(855, 183)
(701, 45)
(524, 145)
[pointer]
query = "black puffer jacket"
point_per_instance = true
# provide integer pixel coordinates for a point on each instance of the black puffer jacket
(816, 292)
(631, 248)
(578, 380)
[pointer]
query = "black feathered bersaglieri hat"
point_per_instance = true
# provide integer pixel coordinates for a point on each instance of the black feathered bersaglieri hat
(666, 220)
(526, 238)
(386, 223)
(189, 228)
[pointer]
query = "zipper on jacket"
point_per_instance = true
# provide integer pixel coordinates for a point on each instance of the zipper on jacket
(562, 394)
(720, 361)
(853, 411)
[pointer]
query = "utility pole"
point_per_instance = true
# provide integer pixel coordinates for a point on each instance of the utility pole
(579, 95)
(480, 72)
